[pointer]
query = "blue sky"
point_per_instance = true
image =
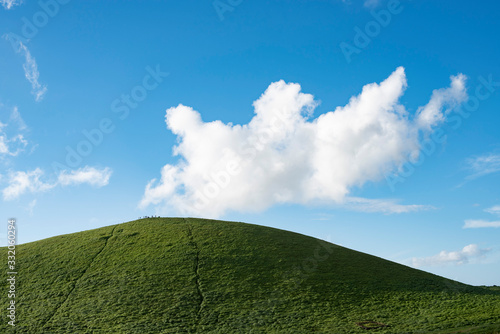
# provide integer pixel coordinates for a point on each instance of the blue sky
(373, 124)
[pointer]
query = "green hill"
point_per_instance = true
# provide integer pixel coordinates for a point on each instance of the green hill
(175, 275)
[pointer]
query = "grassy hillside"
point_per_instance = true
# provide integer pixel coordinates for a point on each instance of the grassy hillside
(174, 275)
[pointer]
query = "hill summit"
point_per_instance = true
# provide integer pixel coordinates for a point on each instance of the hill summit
(186, 275)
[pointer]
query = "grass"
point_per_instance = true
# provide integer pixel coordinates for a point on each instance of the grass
(175, 275)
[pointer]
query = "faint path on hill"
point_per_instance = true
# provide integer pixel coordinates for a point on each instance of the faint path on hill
(197, 266)
(79, 278)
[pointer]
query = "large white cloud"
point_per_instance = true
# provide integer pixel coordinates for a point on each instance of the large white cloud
(469, 253)
(283, 156)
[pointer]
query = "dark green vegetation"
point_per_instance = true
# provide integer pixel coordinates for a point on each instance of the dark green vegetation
(201, 276)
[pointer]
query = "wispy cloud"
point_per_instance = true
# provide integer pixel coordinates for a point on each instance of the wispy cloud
(31, 207)
(12, 146)
(15, 117)
(368, 4)
(478, 223)
(371, 3)
(281, 156)
(89, 175)
(21, 182)
(4, 147)
(12, 140)
(495, 210)
(31, 72)
(322, 217)
(387, 206)
(9, 4)
(483, 165)
(468, 254)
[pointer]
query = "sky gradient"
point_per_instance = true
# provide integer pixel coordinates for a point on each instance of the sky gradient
(370, 124)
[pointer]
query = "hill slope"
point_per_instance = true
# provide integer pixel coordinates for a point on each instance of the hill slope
(175, 275)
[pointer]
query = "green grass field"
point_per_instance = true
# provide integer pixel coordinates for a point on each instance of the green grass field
(175, 275)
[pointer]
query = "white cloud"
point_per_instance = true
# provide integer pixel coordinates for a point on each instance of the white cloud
(483, 165)
(478, 223)
(6, 144)
(469, 253)
(20, 182)
(281, 156)
(384, 206)
(31, 207)
(9, 4)
(31, 72)
(441, 103)
(12, 141)
(495, 210)
(90, 175)
(4, 148)
(15, 117)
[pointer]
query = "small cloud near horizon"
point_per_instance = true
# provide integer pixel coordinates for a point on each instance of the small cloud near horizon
(469, 253)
